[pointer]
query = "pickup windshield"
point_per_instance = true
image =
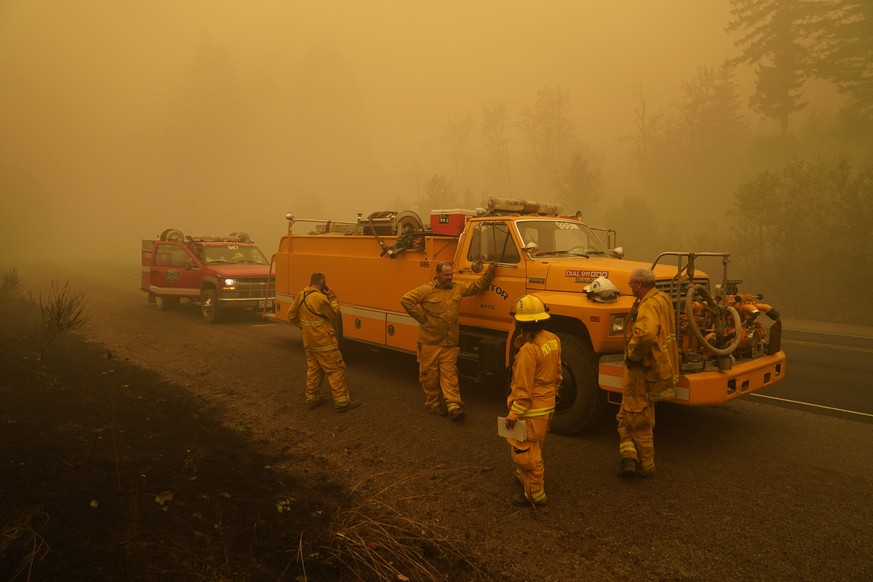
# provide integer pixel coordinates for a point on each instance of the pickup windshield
(557, 237)
(234, 254)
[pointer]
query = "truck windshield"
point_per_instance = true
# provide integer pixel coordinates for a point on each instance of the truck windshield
(558, 237)
(234, 254)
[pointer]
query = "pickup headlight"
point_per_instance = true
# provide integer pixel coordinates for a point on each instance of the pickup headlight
(616, 323)
(229, 284)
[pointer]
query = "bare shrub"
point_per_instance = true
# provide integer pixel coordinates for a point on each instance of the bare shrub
(62, 311)
(375, 540)
(9, 280)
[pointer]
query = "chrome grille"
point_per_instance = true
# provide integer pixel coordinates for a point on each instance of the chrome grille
(255, 287)
(674, 291)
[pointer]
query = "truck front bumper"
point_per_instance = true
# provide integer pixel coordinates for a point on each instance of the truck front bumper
(708, 387)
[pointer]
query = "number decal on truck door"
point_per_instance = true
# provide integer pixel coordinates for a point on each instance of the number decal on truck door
(424, 264)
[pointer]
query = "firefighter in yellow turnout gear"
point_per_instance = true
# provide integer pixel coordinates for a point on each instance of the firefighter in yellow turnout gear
(435, 306)
(536, 375)
(315, 310)
(651, 373)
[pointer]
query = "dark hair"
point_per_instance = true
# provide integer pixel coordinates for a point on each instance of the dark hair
(441, 264)
(530, 327)
(316, 278)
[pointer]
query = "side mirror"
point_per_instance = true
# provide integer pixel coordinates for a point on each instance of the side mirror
(476, 267)
(190, 264)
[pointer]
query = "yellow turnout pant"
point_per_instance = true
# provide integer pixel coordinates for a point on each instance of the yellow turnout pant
(528, 457)
(438, 373)
(636, 440)
(331, 364)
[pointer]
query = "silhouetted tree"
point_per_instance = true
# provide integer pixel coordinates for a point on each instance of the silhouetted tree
(458, 137)
(637, 228)
(846, 51)
(709, 118)
(578, 185)
(495, 140)
(803, 231)
(772, 39)
(547, 128)
(439, 192)
(649, 129)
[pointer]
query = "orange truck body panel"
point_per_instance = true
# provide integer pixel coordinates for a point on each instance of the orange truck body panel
(369, 286)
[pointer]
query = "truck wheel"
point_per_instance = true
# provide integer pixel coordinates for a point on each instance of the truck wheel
(580, 402)
(209, 306)
(166, 303)
(173, 235)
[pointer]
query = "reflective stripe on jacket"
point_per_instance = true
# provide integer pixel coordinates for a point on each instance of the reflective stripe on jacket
(436, 309)
(536, 375)
(317, 316)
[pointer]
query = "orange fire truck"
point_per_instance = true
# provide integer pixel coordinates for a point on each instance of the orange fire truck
(726, 350)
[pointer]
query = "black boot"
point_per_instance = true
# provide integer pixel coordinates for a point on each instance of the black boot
(628, 468)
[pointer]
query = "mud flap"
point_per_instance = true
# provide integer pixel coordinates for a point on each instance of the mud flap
(774, 344)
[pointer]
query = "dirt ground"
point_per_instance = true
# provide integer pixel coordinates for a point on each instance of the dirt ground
(151, 447)
(113, 473)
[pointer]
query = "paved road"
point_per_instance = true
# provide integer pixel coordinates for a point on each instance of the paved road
(829, 370)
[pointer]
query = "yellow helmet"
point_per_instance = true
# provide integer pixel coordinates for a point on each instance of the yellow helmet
(530, 308)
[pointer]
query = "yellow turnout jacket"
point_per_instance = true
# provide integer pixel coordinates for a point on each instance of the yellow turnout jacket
(651, 351)
(317, 316)
(536, 375)
(436, 309)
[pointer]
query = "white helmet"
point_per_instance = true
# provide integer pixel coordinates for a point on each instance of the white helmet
(602, 290)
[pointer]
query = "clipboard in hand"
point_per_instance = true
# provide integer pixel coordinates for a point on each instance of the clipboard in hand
(518, 432)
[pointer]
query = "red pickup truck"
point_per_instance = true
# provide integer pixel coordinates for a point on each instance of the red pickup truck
(218, 272)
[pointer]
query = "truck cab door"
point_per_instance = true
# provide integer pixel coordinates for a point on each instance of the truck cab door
(172, 271)
(486, 242)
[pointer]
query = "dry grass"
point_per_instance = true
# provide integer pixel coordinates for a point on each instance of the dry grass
(9, 280)
(374, 540)
(21, 543)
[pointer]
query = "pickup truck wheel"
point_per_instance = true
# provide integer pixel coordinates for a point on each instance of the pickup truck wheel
(166, 303)
(209, 306)
(173, 235)
(580, 402)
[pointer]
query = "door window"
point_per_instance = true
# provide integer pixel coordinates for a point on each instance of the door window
(492, 242)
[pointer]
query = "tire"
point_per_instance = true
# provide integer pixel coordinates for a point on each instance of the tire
(164, 303)
(173, 235)
(580, 403)
(209, 306)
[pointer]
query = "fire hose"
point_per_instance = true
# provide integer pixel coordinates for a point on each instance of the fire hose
(718, 312)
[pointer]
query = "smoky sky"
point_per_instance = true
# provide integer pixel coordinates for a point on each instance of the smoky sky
(121, 118)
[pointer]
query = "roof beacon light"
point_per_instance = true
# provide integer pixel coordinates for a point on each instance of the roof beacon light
(522, 206)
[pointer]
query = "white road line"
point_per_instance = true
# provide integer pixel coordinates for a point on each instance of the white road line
(829, 346)
(814, 405)
(836, 333)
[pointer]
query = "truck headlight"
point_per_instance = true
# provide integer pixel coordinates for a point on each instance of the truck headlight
(230, 284)
(616, 323)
